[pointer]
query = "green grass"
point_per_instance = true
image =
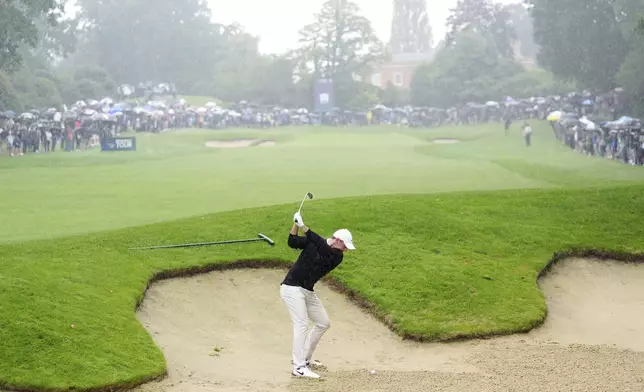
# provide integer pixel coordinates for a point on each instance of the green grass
(450, 238)
(174, 175)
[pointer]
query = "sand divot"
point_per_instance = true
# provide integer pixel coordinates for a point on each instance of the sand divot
(445, 141)
(241, 313)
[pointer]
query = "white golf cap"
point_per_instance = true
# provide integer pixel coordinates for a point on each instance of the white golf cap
(346, 237)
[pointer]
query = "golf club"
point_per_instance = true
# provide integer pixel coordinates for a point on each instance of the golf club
(309, 195)
(261, 237)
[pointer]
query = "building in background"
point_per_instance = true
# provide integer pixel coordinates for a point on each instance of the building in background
(399, 70)
(411, 45)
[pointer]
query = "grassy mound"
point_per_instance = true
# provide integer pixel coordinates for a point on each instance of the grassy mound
(436, 267)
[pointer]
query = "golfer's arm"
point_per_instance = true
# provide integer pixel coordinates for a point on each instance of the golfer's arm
(295, 241)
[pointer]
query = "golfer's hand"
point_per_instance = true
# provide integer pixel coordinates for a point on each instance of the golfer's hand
(297, 218)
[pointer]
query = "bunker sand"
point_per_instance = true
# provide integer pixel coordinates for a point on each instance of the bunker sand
(229, 331)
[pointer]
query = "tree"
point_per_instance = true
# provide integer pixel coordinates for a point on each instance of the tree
(151, 40)
(469, 70)
(393, 96)
(490, 20)
(18, 26)
(9, 98)
(410, 29)
(340, 45)
(580, 40)
(523, 24)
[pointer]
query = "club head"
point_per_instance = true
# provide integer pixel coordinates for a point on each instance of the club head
(265, 238)
(310, 196)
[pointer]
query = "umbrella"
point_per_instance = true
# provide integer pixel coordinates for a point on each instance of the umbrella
(588, 125)
(123, 106)
(211, 105)
(555, 116)
(202, 110)
(100, 116)
(26, 116)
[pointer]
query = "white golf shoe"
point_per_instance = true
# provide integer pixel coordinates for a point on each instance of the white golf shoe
(304, 371)
(315, 364)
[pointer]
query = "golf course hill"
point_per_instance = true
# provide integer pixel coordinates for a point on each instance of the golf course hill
(438, 267)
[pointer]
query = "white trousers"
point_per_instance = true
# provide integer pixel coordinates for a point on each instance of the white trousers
(303, 305)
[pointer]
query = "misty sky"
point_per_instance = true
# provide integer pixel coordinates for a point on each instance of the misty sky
(278, 21)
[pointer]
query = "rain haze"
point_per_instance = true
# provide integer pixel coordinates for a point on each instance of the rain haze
(277, 22)
(192, 192)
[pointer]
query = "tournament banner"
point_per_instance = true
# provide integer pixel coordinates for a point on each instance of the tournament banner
(118, 144)
(324, 96)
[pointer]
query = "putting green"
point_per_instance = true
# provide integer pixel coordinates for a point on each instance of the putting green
(436, 265)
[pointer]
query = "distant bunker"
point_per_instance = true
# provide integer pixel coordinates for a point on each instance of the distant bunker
(445, 141)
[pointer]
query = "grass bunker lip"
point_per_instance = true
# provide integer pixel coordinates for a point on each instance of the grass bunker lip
(352, 326)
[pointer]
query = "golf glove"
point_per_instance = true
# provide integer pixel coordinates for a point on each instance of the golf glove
(298, 220)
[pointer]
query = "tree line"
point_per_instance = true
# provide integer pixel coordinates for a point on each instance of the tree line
(49, 57)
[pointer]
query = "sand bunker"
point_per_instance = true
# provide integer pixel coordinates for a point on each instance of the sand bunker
(445, 141)
(230, 143)
(229, 331)
(267, 143)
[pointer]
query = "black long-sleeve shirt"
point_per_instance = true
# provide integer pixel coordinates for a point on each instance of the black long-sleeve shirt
(316, 260)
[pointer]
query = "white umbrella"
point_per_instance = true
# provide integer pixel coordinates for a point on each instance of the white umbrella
(211, 105)
(202, 110)
(588, 125)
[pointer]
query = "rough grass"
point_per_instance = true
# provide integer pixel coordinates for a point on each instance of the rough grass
(433, 265)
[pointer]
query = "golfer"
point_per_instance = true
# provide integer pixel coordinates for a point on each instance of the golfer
(319, 256)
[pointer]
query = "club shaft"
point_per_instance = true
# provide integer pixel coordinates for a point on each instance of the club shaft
(307, 196)
(200, 244)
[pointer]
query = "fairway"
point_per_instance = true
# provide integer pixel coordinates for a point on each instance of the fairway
(451, 238)
(174, 175)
